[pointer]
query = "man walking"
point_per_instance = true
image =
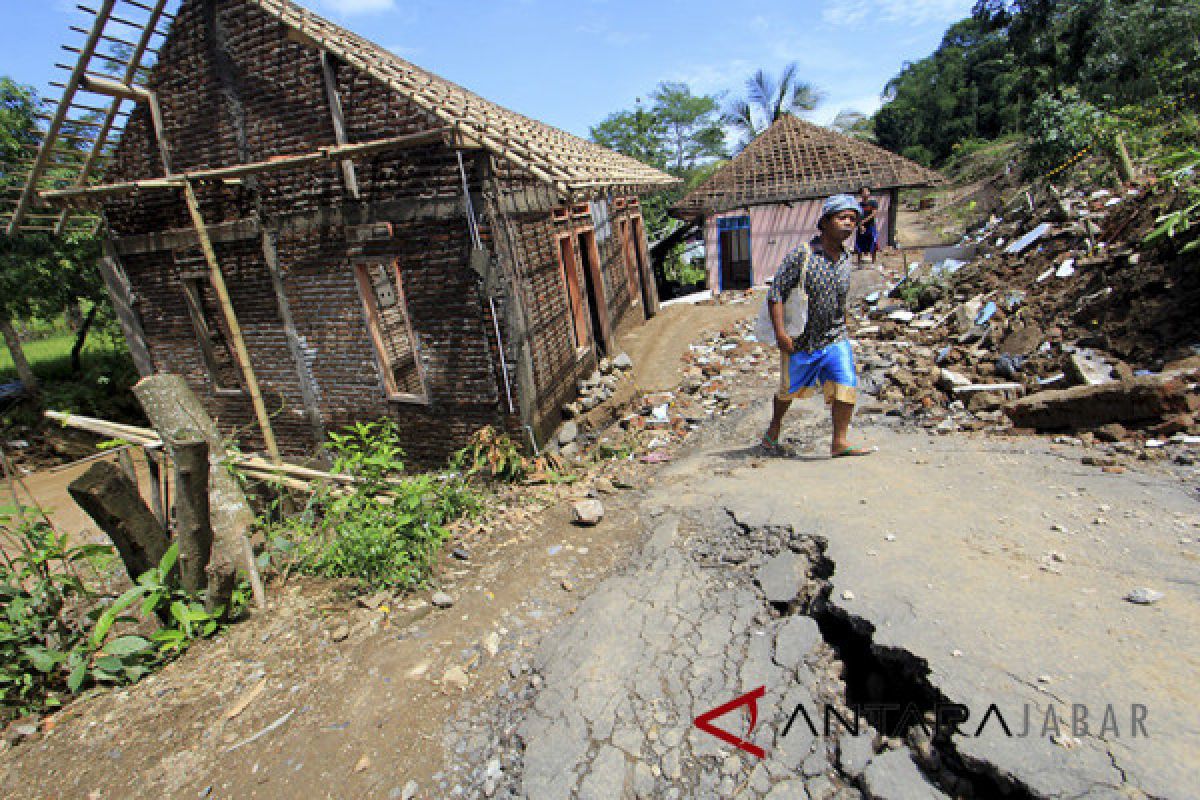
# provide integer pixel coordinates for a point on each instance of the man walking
(821, 356)
(866, 240)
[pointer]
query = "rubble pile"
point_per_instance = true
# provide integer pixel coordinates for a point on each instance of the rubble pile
(1053, 318)
(598, 387)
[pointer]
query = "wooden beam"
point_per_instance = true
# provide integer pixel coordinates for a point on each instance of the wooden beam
(119, 291)
(339, 121)
(235, 330)
(111, 88)
(324, 154)
(304, 377)
(183, 238)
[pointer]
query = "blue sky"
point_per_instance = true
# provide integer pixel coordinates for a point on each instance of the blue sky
(571, 62)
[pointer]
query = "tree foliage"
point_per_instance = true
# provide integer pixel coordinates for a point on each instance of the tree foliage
(680, 133)
(997, 69)
(768, 98)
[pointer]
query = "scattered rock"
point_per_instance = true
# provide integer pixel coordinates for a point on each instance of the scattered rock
(441, 600)
(340, 633)
(456, 678)
(568, 433)
(1144, 596)
(623, 362)
(587, 512)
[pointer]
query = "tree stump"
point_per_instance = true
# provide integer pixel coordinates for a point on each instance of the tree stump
(110, 498)
(175, 412)
(193, 530)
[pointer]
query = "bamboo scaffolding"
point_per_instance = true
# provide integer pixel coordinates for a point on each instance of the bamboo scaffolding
(180, 180)
(231, 321)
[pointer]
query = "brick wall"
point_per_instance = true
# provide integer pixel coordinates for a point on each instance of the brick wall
(281, 109)
(234, 88)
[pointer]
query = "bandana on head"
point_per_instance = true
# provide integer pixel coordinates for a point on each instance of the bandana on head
(840, 202)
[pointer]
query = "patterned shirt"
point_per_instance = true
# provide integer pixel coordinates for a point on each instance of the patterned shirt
(827, 283)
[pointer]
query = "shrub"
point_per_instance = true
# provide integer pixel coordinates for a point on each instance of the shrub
(386, 531)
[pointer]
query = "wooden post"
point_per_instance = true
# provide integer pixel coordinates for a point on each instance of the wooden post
(193, 529)
(235, 330)
(109, 498)
(339, 120)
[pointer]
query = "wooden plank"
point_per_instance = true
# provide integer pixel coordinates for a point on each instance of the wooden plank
(339, 120)
(324, 154)
(231, 321)
(184, 238)
(122, 299)
(304, 377)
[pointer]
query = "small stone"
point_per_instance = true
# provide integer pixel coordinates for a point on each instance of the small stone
(847, 595)
(567, 585)
(604, 486)
(456, 677)
(410, 791)
(340, 633)
(461, 553)
(568, 433)
(587, 512)
(1144, 596)
(491, 643)
(363, 764)
(441, 600)
(623, 362)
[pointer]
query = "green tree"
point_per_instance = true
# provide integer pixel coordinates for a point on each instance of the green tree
(40, 274)
(767, 98)
(854, 123)
(639, 134)
(692, 128)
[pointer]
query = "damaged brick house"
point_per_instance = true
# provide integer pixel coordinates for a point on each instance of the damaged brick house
(762, 204)
(314, 231)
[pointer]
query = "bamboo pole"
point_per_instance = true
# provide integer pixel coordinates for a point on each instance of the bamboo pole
(235, 330)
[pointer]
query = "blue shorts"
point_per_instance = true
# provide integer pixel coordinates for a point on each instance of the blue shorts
(830, 368)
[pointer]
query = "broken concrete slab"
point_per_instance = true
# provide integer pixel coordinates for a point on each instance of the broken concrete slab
(781, 577)
(1144, 398)
(894, 776)
(797, 637)
(587, 512)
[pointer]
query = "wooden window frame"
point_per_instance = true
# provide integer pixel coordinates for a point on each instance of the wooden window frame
(576, 302)
(560, 214)
(581, 210)
(625, 232)
(371, 316)
(193, 298)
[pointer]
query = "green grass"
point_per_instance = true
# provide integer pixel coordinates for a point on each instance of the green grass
(50, 358)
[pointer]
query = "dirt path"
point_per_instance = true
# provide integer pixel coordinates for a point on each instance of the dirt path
(964, 569)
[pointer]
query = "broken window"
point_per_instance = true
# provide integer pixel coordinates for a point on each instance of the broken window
(382, 293)
(210, 333)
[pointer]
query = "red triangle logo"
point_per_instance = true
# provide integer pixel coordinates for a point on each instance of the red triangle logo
(751, 698)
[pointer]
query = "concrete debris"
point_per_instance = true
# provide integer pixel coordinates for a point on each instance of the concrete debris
(1139, 400)
(441, 600)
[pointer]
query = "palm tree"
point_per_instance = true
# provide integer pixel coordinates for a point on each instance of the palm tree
(768, 99)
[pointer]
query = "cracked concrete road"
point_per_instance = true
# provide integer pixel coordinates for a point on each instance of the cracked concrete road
(970, 571)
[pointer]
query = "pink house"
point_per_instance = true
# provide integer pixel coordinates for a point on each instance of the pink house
(767, 200)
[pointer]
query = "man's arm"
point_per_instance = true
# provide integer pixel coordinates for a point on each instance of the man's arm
(781, 335)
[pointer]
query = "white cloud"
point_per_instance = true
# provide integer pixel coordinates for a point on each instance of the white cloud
(852, 13)
(357, 6)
